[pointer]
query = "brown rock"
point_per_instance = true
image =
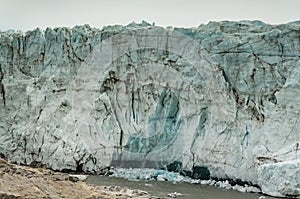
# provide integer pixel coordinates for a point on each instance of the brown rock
(3, 162)
(26, 182)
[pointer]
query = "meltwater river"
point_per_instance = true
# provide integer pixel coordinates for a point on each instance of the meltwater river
(189, 191)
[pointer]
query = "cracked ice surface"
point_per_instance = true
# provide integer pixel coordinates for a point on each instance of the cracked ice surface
(224, 96)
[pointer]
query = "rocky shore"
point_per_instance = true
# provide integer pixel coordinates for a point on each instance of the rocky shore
(27, 182)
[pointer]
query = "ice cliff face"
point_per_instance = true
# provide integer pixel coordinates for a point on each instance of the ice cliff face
(220, 100)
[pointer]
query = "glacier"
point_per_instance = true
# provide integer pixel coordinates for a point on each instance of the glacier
(221, 100)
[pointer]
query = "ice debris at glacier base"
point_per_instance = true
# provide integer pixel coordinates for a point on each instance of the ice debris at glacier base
(147, 174)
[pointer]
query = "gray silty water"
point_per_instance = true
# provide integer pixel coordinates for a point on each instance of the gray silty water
(189, 191)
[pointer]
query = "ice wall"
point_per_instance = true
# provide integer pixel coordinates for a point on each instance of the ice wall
(223, 97)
